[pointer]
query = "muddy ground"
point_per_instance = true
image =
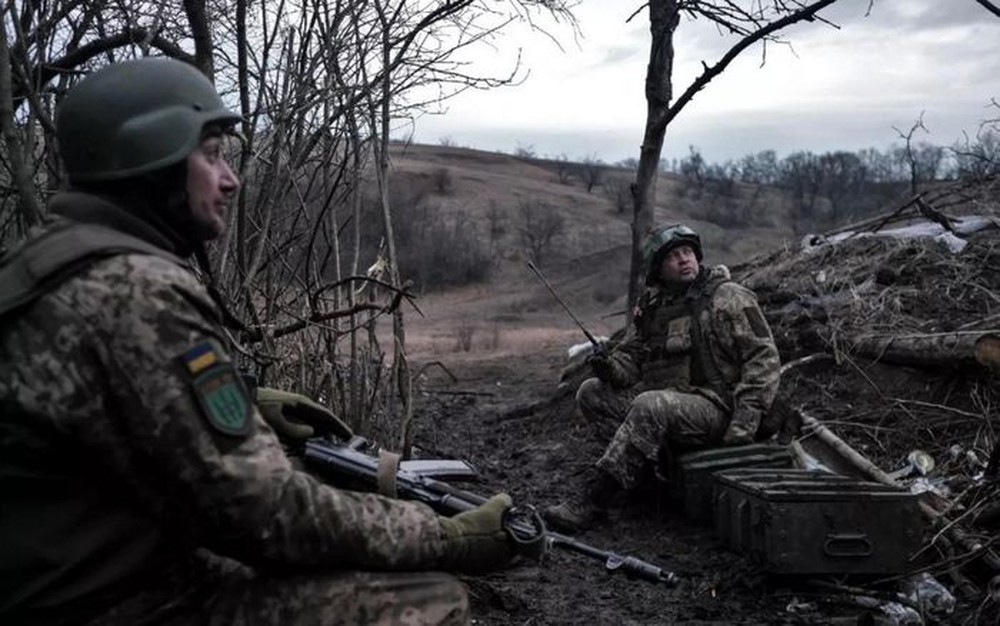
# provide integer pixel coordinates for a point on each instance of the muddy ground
(503, 413)
(506, 417)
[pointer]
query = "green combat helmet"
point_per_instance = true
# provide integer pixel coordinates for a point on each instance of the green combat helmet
(661, 241)
(135, 117)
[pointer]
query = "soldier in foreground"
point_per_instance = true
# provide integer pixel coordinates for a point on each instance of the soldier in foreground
(697, 368)
(138, 481)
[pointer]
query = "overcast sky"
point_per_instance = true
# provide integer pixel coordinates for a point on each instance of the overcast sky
(833, 89)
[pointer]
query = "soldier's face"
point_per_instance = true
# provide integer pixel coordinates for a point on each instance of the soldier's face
(211, 184)
(680, 265)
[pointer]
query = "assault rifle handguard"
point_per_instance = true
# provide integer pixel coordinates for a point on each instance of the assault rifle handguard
(347, 467)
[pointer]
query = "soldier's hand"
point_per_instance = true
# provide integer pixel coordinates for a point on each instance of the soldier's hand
(742, 428)
(295, 417)
(475, 541)
(602, 366)
(736, 435)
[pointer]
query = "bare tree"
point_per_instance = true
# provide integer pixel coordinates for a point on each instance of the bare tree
(908, 153)
(540, 224)
(497, 227)
(319, 85)
(618, 191)
(29, 208)
(753, 22)
(564, 169)
(592, 172)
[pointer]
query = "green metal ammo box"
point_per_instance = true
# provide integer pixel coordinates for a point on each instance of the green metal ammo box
(691, 479)
(806, 522)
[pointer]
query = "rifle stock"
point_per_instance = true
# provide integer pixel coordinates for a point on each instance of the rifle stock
(347, 467)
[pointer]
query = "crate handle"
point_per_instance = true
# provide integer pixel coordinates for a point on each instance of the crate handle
(847, 545)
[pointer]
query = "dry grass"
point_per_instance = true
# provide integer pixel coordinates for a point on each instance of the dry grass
(588, 264)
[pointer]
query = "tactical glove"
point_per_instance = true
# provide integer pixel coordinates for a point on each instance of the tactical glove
(475, 541)
(602, 366)
(742, 428)
(736, 435)
(295, 417)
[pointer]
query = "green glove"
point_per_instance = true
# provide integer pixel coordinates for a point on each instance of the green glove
(602, 366)
(295, 417)
(475, 541)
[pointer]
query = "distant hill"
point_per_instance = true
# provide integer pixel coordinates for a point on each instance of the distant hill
(483, 180)
(587, 261)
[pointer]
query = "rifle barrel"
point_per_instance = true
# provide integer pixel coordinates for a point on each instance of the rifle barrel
(343, 462)
(629, 565)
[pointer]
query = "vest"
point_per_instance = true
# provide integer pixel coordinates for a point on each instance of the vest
(676, 341)
(41, 264)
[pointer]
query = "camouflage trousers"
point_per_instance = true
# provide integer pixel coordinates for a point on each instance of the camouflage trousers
(243, 597)
(647, 420)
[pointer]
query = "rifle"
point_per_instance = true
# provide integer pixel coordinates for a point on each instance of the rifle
(345, 465)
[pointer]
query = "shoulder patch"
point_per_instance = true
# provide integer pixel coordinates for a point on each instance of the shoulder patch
(757, 322)
(218, 388)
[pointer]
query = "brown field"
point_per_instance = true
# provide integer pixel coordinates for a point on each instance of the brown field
(513, 313)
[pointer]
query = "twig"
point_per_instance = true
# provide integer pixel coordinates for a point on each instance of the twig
(979, 322)
(963, 558)
(457, 392)
(932, 405)
(420, 372)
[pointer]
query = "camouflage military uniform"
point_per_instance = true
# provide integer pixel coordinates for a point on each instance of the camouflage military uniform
(691, 363)
(119, 486)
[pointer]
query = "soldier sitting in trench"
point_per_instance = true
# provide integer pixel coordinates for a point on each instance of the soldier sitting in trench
(140, 482)
(697, 368)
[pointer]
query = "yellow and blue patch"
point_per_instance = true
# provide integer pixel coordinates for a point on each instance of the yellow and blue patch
(218, 389)
(200, 357)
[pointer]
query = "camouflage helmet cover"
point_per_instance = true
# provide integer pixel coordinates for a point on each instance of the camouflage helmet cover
(135, 117)
(664, 239)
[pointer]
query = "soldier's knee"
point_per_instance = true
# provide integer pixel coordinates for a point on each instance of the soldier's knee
(433, 598)
(658, 401)
(455, 591)
(587, 396)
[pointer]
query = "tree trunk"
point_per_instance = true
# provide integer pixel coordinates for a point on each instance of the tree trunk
(202, 35)
(956, 349)
(401, 370)
(663, 19)
(29, 205)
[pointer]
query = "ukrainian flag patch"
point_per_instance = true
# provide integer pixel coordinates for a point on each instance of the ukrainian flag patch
(218, 389)
(200, 357)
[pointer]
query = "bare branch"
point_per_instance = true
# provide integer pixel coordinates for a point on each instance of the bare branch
(989, 6)
(805, 14)
(28, 203)
(74, 59)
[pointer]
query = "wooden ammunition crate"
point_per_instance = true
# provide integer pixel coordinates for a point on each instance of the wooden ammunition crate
(804, 522)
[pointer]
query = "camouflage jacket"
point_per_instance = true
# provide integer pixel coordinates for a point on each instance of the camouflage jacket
(113, 470)
(714, 341)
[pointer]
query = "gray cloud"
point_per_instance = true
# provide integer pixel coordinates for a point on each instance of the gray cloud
(846, 91)
(619, 54)
(702, 40)
(919, 15)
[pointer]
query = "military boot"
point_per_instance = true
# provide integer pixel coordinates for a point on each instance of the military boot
(587, 506)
